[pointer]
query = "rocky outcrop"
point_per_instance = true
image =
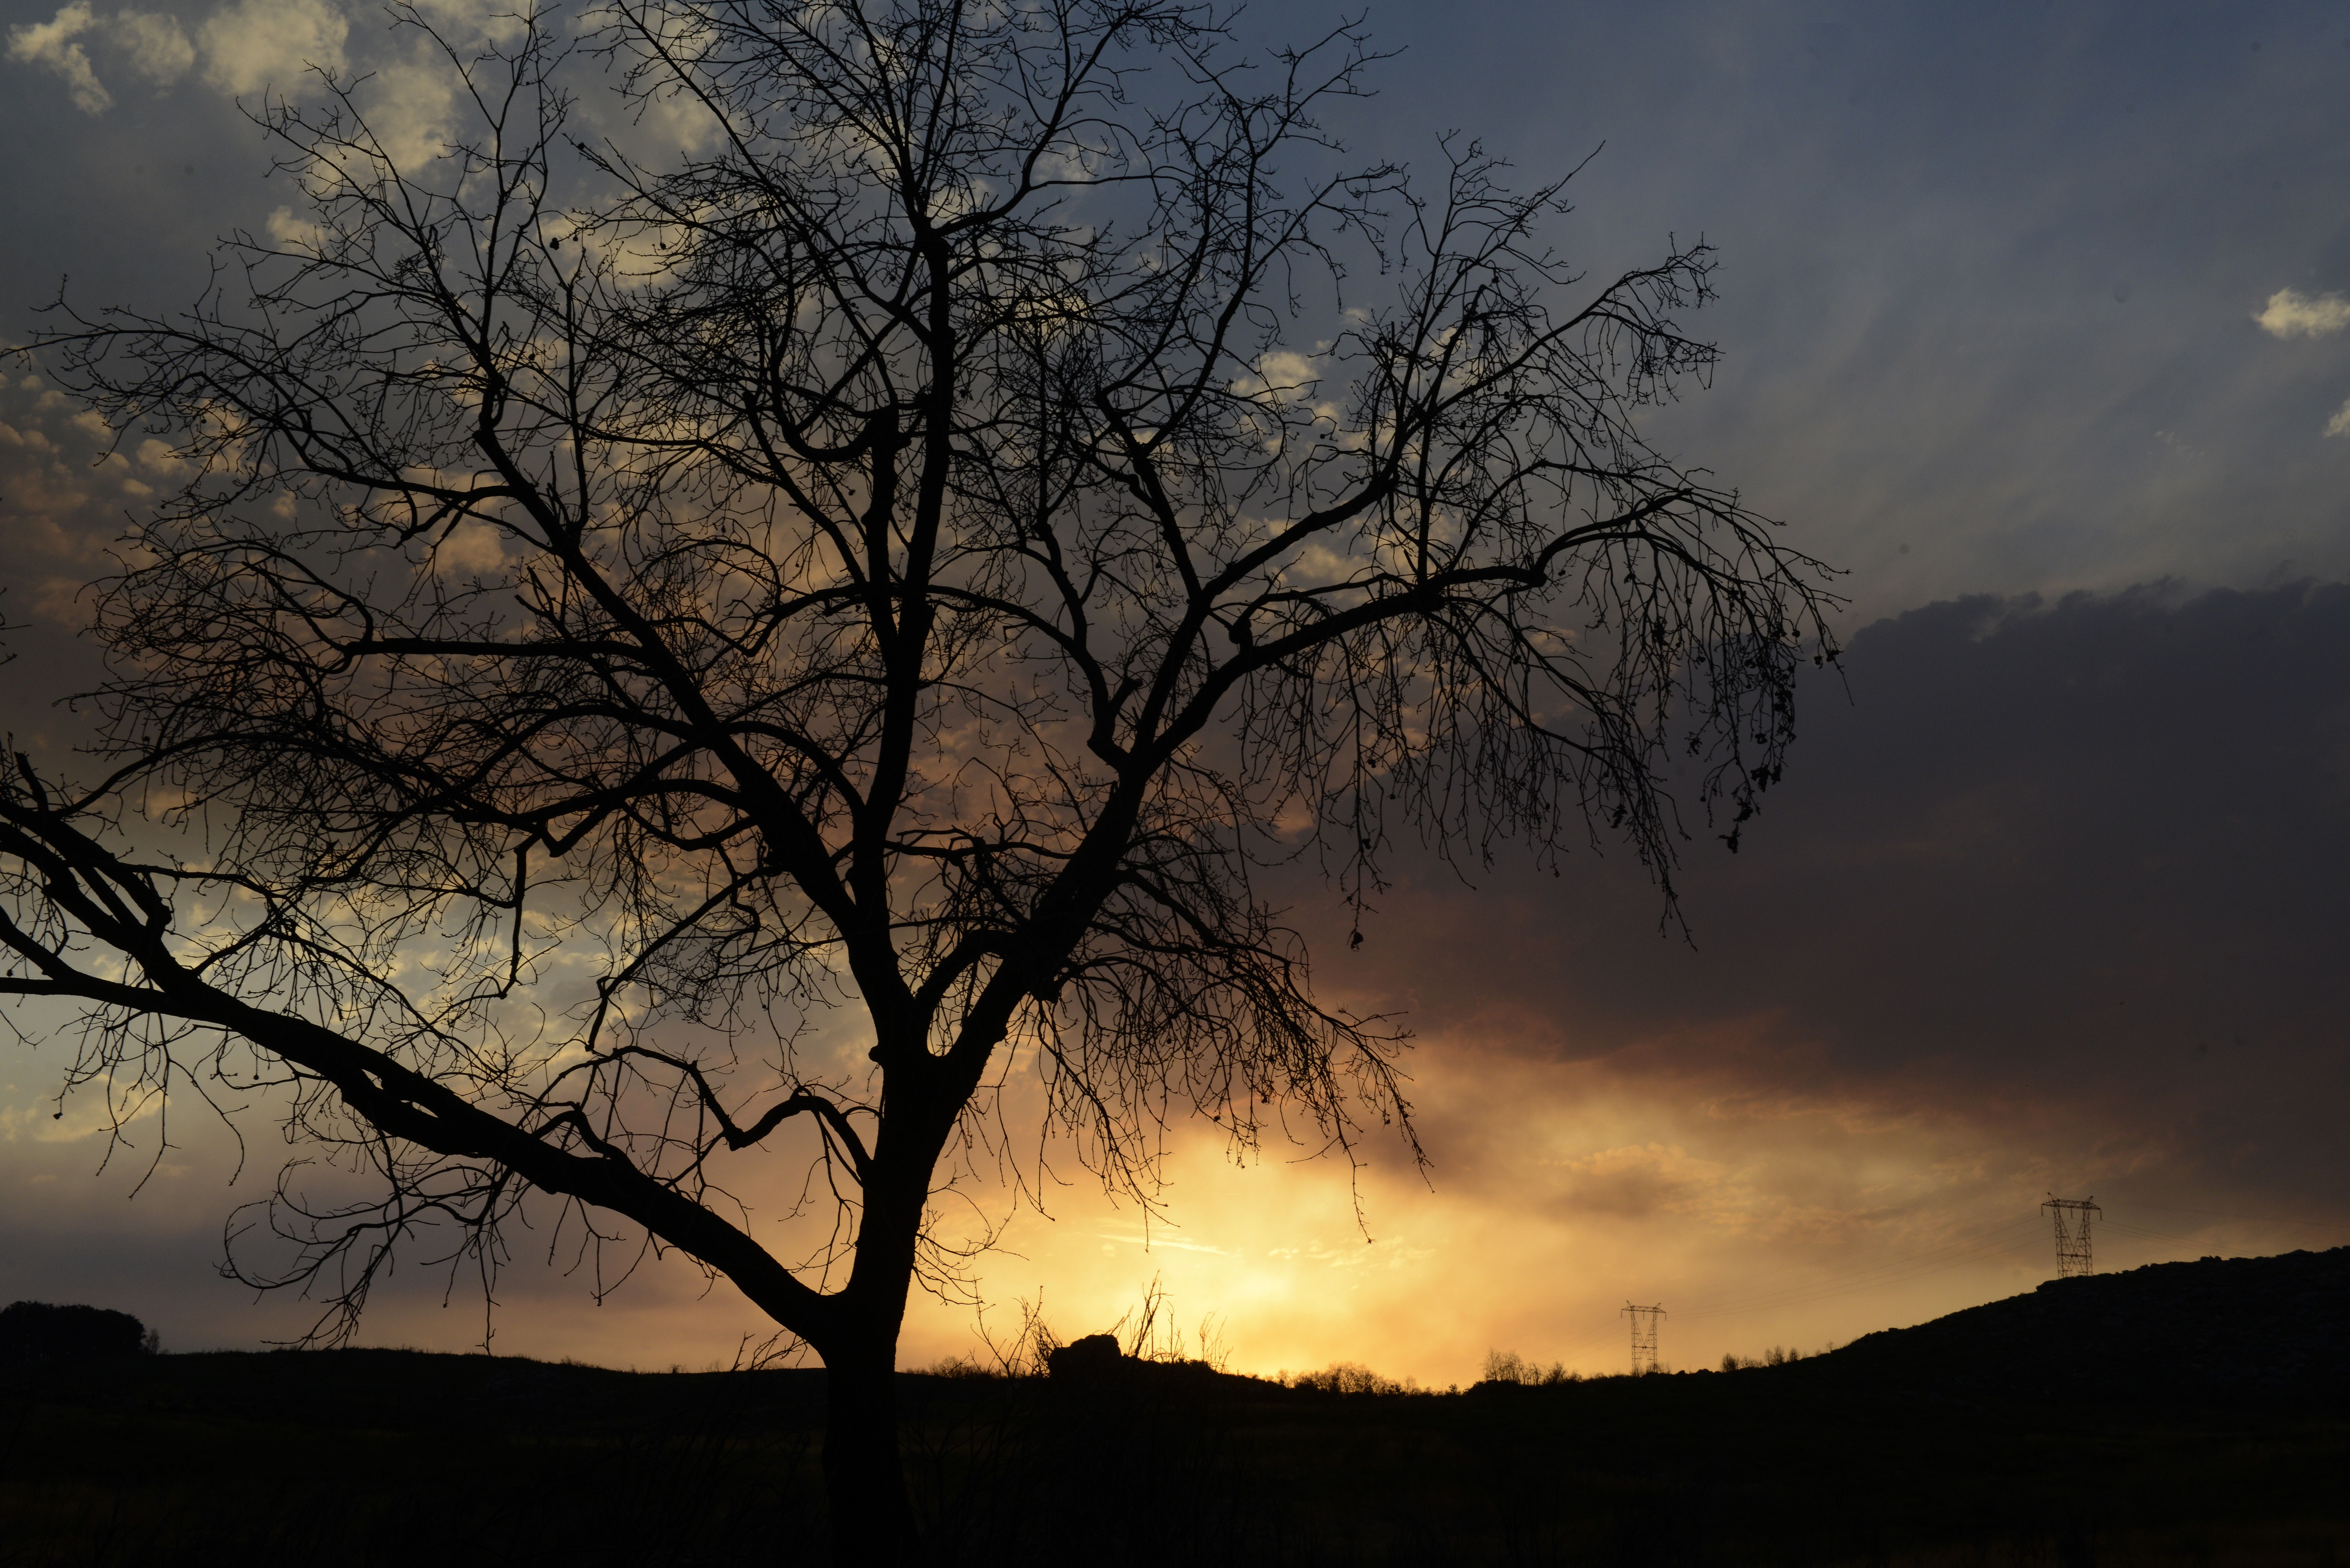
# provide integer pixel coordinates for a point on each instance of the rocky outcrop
(1088, 1360)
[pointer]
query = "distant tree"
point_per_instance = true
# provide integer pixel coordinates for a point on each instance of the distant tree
(36, 1331)
(1348, 1377)
(920, 554)
(1509, 1366)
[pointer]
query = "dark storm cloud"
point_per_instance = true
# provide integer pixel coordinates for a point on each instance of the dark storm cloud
(1987, 271)
(2083, 866)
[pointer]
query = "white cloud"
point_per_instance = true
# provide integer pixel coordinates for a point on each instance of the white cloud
(257, 43)
(2339, 425)
(408, 107)
(157, 457)
(153, 45)
(2291, 315)
(297, 234)
(1282, 374)
(473, 19)
(158, 47)
(469, 549)
(50, 45)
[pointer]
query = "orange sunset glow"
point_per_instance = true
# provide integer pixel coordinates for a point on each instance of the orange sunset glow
(1951, 494)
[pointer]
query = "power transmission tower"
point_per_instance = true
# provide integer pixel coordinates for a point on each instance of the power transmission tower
(1644, 1336)
(2071, 1216)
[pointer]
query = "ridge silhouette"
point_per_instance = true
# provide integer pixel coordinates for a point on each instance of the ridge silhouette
(2175, 1414)
(2257, 1329)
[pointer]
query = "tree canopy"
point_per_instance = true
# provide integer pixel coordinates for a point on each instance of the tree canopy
(918, 551)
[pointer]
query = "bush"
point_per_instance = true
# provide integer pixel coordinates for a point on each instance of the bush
(1509, 1366)
(1348, 1377)
(36, 1331)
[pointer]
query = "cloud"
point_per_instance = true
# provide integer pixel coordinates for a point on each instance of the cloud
(2340, 423)
(157, 457)
(152, 45)
(2052, 901)
(469, 550)
(257, 43)
(2291, 315)
(51, 46)
(296, 233)
(2067, 870)
(156, 45)
(409, 105)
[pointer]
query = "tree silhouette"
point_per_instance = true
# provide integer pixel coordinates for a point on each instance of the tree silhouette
(36, 1331)
(920, 554)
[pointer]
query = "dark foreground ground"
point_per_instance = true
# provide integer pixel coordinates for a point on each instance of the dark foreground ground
(2186, 1414)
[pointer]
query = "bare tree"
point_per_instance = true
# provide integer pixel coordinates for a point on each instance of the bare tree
(921, 554)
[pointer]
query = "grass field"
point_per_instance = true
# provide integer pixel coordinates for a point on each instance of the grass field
(389, 1456)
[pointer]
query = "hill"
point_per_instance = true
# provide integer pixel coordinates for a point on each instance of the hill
(2237, 1330)
(2176, 1415)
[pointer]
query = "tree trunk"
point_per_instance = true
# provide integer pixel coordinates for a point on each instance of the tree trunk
(864, 1481)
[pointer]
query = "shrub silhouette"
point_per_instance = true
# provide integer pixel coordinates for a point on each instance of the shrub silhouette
(36, 1331)
(1348, 1377)
(1509, 1366)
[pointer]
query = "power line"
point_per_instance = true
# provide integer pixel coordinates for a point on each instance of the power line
(2144, 1235)
(1808, 1298)
(2249, 1219)
(1797, 1298)
(1954, 1253)
(1972, 1247)
(1589, 1342)
(1966, 1243)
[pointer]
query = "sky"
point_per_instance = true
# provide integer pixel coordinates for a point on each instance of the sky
(2033, 322)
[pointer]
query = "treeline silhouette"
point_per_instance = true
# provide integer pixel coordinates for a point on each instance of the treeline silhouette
(36, 1331)
(1143, 1450)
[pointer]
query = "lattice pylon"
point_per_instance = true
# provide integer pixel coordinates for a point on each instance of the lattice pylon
(2071, 1216)
(1644, 1336)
